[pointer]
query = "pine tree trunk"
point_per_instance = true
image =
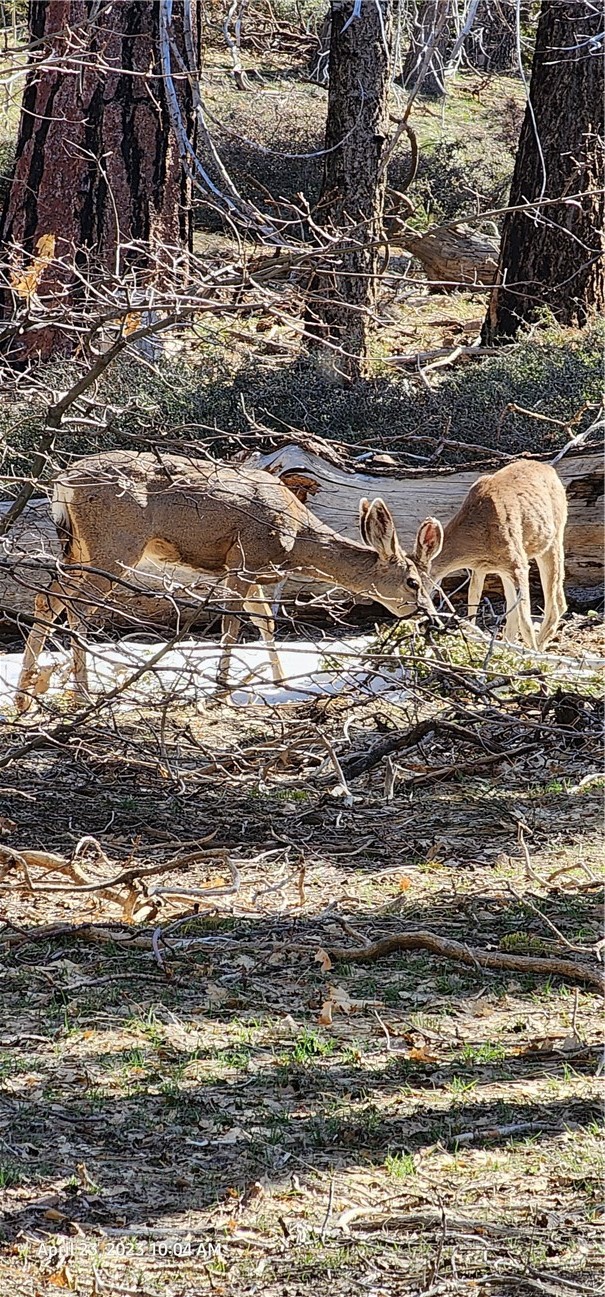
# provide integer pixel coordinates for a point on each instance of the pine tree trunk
(491, 45)
(354, 182)
(554, 257)
(430, 25)
(96, 166)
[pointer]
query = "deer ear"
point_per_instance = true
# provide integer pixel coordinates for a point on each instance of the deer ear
(379, 531)
(428, 543)
(364, 509)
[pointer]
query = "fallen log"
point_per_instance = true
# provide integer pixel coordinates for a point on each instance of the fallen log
(412, 499)
(27, 551)
(451, 255)
(500, 961)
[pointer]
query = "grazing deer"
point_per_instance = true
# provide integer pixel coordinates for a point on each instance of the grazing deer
(507, 518)
(244, 525)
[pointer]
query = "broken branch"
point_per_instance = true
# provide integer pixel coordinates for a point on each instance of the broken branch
(471, 955)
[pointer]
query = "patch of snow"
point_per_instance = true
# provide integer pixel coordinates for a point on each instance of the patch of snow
(187, 673)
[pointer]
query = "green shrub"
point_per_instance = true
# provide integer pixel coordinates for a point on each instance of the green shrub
(200, 405)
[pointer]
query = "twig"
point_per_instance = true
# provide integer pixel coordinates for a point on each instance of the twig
(157, 954)
(443, 355)
(502, 1132)
(326, 1219)
(523, 900)
(375, 1218)
(529, 870)
(465, 767)
(574, 1014)
(343, 785)
(54, 415)
(360, 763)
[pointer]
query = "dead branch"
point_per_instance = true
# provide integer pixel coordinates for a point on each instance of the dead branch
(470, 955)
(362, 762)
(465, 767)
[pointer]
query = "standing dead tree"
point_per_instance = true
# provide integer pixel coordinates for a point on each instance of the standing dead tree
(554, 258)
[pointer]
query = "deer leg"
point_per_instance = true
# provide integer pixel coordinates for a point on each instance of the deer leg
(91, 593)
(511, 597)
(261, 616)
(230, 625)
(475, 591)
(78, 655)
(516, 589)
(47, 608)
(550, 566)
(229, 632)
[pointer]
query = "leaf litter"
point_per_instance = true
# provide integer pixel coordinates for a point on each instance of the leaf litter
(198, 1096)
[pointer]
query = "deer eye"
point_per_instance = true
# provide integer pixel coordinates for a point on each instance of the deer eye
(413, 584)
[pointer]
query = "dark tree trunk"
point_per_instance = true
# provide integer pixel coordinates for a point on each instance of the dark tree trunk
(430, 26)
(554, 257)
(97, 166)
(354, 181)
(491, 45)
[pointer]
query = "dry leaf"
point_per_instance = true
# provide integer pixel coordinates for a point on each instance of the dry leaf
(340, 999)
(325, 1017)
(232, 1136)
(288, 1026)
(25, 282)
(61, 1278)
(52, 1214)
(404, 883)
(217, 994)
(302, 896)
(322, 957)
(45, 247)
(244, 961)
(132, 322)
(422, 1055)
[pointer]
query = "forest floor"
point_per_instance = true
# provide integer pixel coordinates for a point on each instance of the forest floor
(217, 1106)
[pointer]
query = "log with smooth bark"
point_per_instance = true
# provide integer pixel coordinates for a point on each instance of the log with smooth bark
(336, 502)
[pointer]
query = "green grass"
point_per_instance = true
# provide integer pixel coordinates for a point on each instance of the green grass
(311, 1045)
(487, 1053)
(10, 1175)
(400, 1165)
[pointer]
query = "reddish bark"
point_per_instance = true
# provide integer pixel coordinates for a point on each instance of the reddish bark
(97, 165)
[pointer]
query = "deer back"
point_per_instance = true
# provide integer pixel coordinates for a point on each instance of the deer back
(518, 511)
